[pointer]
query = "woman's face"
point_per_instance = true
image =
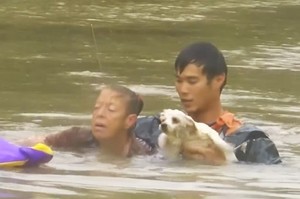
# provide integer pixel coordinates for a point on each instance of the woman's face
(110, 117)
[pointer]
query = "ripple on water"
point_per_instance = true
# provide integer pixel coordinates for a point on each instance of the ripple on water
(238, 180)
(285, 57)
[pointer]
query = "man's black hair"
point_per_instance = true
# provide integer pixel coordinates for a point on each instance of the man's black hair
(203, 54)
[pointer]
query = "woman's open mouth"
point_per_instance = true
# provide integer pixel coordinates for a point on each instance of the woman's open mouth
(99, 126)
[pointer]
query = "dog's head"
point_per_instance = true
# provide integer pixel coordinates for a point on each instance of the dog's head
(177, 124)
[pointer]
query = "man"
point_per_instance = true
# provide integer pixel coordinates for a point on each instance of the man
(201, 74)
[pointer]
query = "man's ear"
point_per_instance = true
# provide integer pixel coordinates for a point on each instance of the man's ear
(219, 80)
(130, 121)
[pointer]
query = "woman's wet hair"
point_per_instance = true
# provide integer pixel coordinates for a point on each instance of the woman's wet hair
(135, 102)
(203, 54)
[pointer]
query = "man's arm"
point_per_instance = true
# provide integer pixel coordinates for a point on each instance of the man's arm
(206, 155)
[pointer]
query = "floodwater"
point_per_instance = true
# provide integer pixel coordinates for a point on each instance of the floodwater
(51, 68)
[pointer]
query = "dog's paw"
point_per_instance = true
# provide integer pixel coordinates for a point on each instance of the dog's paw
(169, 148)
(162, 140)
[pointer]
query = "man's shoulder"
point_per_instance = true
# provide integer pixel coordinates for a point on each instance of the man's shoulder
(252, 144)
(245, 132)
(148, 121)
(147, 128)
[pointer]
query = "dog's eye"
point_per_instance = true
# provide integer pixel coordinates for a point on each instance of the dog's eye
(175, 120)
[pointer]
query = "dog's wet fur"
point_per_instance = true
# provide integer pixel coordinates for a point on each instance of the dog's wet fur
(180, 131)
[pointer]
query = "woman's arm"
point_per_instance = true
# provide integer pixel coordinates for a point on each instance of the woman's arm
(72, 137)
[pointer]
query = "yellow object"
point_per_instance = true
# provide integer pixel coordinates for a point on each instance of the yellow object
(12, 155)
(43, 147)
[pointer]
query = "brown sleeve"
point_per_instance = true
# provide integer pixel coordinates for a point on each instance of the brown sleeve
(69, 138)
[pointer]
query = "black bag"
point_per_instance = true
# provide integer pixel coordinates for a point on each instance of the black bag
(147, 129)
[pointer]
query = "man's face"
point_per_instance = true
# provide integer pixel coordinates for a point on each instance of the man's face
(196, 93)
(109, 115)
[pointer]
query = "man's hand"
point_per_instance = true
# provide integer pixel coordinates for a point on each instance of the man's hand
(208, 154)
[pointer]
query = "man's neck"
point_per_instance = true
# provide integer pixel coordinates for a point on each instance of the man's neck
(208, 116)
(119, 146)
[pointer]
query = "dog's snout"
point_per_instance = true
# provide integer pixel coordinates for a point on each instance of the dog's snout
(164, 127)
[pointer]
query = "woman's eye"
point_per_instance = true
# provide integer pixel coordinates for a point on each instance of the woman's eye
(112, 108)
(96, 108)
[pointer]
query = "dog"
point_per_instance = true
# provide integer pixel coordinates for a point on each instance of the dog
(181, 135)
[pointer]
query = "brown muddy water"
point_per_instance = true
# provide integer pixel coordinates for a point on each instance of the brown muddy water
(49, 79)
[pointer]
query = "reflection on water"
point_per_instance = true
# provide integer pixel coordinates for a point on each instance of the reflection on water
(49, 79)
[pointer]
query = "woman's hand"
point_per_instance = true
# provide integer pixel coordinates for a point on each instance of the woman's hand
(31, 141)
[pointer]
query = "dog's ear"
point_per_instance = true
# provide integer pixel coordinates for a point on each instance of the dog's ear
(191, 127)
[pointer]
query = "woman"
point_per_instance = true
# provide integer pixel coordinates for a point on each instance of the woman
(114, 118)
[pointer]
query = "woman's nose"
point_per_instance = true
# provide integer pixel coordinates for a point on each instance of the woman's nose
(100, 112)
(164, 127)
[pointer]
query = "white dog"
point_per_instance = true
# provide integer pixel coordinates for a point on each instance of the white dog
(180, 131)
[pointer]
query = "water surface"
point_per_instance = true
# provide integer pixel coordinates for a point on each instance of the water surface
(50, 76)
